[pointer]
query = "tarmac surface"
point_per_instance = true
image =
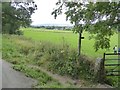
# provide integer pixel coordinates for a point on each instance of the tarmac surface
(12, 78)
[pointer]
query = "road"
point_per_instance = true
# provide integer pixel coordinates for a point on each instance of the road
(14, 79)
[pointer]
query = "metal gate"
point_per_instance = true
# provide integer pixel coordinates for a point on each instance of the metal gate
(111, 65)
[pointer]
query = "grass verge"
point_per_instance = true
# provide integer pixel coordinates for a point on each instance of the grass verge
(59, 59)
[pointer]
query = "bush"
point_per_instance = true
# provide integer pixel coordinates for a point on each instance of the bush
(56, 58)
(19, 32)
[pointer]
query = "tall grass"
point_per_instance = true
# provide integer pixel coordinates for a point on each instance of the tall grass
(56, 36)
(59, 59)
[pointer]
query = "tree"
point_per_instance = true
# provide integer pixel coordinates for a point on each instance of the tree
(100, 19)
(16, 15)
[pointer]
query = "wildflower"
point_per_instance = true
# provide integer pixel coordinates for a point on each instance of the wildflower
(62, 51)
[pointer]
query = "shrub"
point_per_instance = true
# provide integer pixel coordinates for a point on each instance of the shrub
(57, 58)
(19, 32)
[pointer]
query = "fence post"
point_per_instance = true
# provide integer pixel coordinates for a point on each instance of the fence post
(103, 69)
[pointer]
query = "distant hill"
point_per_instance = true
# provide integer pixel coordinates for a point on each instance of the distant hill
(54, 26)
(64, 25)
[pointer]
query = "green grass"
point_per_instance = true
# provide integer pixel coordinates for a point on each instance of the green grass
(57, 36)
(23, 52)
(19, 50)
(43, 79)
(12, 51)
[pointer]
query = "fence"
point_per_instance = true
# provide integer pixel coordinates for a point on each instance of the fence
(101, 67)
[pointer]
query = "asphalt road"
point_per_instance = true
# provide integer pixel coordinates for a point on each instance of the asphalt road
(14, 79)
(0, 74)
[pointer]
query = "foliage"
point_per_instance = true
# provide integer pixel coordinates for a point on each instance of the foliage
(99, 18)
(56, 58)
(13, 52)
(16, 15)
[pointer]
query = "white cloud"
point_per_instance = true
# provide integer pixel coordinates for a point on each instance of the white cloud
(43, 14)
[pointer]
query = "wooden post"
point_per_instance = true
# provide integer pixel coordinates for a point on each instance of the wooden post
(79, 43)
(103, 69)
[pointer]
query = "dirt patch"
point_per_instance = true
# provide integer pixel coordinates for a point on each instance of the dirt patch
(67, 81)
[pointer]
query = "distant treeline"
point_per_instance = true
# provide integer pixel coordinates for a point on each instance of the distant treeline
(54, 27)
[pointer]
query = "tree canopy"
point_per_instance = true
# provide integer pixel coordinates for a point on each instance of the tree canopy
(15, 15)
(100, 19)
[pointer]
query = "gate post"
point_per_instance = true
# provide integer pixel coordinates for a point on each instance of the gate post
(103, 69)
(99, 69)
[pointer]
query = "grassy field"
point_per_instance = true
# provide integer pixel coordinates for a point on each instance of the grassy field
(42, 52)
(57, 37)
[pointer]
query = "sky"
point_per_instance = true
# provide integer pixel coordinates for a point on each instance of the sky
(43, 14)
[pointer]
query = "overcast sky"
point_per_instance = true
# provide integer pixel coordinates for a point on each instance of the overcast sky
(43, 14)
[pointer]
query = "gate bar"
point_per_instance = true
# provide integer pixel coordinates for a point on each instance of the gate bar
(113, 59)
(112, 64)
(112, 53)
